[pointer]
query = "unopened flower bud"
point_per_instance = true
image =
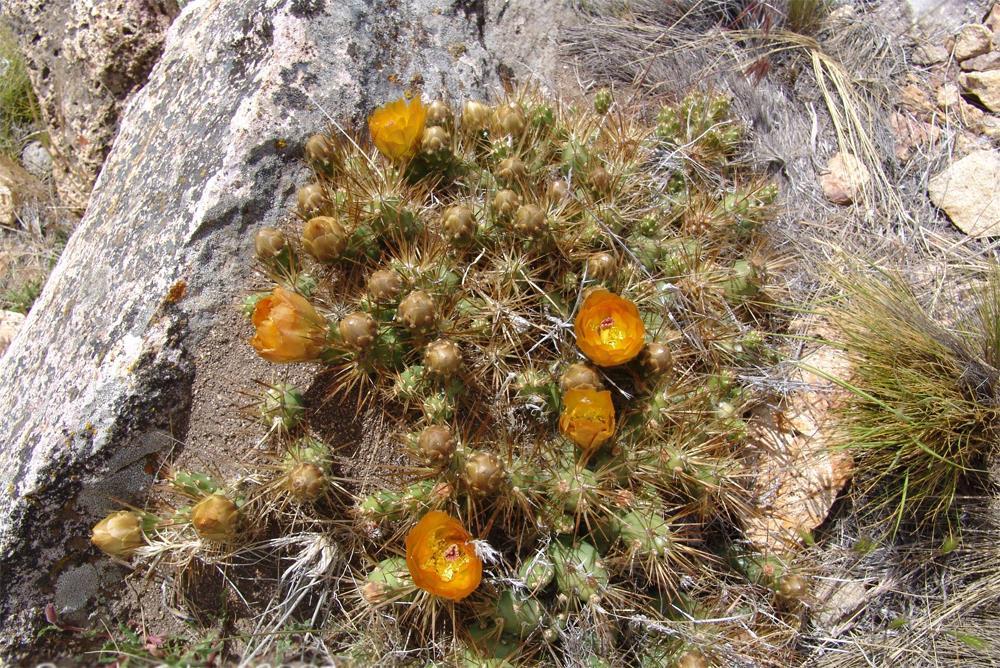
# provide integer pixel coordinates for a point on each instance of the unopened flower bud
(579, 376)
(601, 266)
(483, 472)
(215, 518)
(511, 170)
(506, 203)
(358, 330)
(792, 587)
(511, 119)
(656, 357)
(384, 285)
(602, 101)
(324, 238)
(557, 190)
(305, 481)
(118, 534)
(436, 443)
(443, 358)
(458, 223)
(599, 179)
(269, 243)
(691, 658)
(312, 200)
(475, 116)
(417, 310)
(435, 140)
(530, 220)
(439, 113)
(319, 149)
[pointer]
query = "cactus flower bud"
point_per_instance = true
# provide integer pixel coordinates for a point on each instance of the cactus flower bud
(439, 113)
(312, 200)
(601, 266)
(269, 243)
(417, 310)
(475, 116)
(557, 190)
(319, 149)
(384, 285)
(483, 472)
(530, 220)
(792, 587)
(443, 358)
(511, 170)
(358, 330)
(324, 238)
(602, 101)
(656, 358)
(435, 140)
(119, 534)
(305, 481)
(436, 443)
(511, 119)
(579, 376)
(458, 223)
(506, 202)
(691, 658)
(599, 180)
(215, 518)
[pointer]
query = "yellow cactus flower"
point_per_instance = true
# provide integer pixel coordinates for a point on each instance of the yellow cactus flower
(588, 418)
(119, 534)
(288, 328)
(608, 329)
(397, 127)
(441, 558)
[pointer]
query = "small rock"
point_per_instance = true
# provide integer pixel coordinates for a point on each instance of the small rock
(972, 40)
(930, 54)
(8, 208)
(845, 179)
(836, 603)
(911, 134)
(916, 99)
(985, 86)
(992, 19)
(37, 159)
(10, 323)
(948, 95)
(969, 192)
(984, 63)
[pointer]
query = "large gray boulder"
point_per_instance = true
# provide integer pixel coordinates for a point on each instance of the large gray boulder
(85, 59)
(133, 350)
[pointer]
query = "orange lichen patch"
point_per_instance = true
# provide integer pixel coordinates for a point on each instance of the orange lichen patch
(396, 128)
(588, 418)
(441, 558)
(288, 328)
(608, 329)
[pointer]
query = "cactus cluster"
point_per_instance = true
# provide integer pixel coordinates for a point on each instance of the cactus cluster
(550, 304)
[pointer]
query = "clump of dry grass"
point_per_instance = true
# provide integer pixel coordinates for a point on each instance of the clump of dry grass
(924, 407)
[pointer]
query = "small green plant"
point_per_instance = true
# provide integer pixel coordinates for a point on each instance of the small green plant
(132, 648)
(21, 298)
(19, 113)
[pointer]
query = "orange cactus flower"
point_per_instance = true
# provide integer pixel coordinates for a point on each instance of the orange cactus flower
(288, 328)
(441, 558)
(608, 329)
(588, 418)
(397, 127)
